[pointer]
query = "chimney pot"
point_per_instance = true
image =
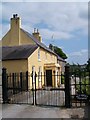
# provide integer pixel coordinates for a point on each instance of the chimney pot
(36, 34)
(15, 15)
(34, 30)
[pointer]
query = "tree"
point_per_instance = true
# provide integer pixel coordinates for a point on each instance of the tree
(58, 51)
(88, 65)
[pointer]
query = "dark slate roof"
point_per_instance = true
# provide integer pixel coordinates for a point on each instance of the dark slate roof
(61, 59)
(17, 52)
(38, 42)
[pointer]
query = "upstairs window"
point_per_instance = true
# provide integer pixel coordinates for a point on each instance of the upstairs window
(39, 54)
(33, 70)
(39, 73)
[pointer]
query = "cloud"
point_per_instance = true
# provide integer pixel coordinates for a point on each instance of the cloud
(47, 34)
(0, 21)
(79, 53)
(12, 0)
(4, 30)
(45, 0)
(78, 56)
(61, 18)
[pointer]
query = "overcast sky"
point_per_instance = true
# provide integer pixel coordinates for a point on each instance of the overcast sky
(67, 22)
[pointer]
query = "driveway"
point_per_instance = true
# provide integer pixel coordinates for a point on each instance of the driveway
(29, 111)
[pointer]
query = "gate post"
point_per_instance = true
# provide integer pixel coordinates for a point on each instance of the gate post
(27, 80)
(13, 80)
(4, 86)
(35, 89)
(67, 87)
(21, 81)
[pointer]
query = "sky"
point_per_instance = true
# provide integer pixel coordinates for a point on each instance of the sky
(67, 22)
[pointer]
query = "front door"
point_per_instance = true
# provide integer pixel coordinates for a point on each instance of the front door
(49, 77)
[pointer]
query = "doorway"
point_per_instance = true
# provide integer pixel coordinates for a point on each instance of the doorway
(49, 77)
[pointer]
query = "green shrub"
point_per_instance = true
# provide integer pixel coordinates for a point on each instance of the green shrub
(62, 80)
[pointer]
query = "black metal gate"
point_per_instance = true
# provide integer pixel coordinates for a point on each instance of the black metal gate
(52, 95)
(70, 89)
(26, 88)
(15, 88)
(79, 86)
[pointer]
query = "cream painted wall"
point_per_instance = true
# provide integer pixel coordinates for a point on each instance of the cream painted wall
(24, 39)
(15, 65)
(6, 40)
(33, 61)
(12, 38)
(15, 36)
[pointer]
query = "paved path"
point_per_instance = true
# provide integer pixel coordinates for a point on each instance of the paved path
(0, 111)
(28, 111)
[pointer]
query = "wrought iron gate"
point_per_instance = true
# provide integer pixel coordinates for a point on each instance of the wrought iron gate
(53, 95)
(80, 87)
(26, 88)
(15, 88)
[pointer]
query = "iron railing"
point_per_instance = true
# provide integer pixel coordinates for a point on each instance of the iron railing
(70, 89)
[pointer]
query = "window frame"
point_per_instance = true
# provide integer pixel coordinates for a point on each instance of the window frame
(33, 74)
(39, 73)
(39, 54)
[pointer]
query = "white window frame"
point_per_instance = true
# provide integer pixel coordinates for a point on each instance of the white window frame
(39, 73)
(56, 78)
(33, 70)
(39, 54)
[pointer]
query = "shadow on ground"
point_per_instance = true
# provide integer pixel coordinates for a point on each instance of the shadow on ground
(87, 111)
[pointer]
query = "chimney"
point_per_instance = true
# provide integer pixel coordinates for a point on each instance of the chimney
(15, 21)
(37, 35)
(15, 29)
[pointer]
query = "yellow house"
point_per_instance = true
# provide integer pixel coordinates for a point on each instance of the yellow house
(62, 63)
(22, 51)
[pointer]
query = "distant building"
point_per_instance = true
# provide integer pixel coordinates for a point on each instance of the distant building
(62, 63)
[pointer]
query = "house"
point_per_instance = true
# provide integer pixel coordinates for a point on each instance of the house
(22, 51)
(62, 63)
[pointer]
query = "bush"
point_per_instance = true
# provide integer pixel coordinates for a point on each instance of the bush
(62, 80)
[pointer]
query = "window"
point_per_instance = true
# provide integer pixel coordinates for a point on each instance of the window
(33, 71)
(39, 54)
(39, 73)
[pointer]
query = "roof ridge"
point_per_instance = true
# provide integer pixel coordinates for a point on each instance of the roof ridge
(38, 42)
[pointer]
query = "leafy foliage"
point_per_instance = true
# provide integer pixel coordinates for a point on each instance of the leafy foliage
(58, 51)
(85, 87)
(83, 73)
(62, 79)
